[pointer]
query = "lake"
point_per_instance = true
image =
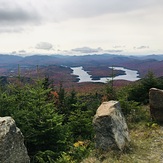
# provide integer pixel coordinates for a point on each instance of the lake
(130, 75)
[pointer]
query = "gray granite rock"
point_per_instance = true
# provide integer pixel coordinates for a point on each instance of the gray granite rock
(156, 104)
(111, 131)
(12, 148)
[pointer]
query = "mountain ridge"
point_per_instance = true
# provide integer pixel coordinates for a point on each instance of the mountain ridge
(94, 63)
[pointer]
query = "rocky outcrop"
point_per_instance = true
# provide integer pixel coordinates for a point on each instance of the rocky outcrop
(156, 104)
(12, 148)
(111, 131)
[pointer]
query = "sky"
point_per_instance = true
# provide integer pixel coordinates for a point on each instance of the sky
(128, 27)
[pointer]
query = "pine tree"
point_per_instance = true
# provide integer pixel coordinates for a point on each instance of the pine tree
(36, 116)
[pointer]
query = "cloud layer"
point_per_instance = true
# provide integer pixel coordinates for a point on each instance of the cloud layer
(35, 11)
(83, 26)
(15, 13)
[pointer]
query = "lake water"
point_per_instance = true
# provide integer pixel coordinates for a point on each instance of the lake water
(130, 75)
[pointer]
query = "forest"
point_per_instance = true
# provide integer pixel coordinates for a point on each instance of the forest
(57, 123)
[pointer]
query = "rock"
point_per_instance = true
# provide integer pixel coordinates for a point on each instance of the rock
(156, 104)
(12, 148)
(111, 131)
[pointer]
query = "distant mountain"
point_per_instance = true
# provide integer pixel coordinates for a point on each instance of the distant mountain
(9, 59)
(95, 59)
(140, 63)
(152, 56)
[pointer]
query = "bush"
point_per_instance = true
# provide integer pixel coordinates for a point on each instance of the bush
(77, 152)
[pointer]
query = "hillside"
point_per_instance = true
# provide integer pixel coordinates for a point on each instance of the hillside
(146, 146)
(57, 67)
(57, 124)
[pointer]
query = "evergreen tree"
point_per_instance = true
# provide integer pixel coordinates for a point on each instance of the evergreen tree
(140, 91)
(37, 118)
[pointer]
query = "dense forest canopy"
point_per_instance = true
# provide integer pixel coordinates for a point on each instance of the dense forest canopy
(57, 125)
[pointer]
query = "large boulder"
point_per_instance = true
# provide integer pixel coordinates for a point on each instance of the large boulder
(111, 131)
(156, 104)
(12, 148)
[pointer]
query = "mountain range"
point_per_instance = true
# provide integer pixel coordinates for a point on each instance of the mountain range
(94, 63)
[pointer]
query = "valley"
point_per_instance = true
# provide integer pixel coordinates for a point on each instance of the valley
(58, 68)
(129, 75)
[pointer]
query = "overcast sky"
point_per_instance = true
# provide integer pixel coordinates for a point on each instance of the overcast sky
(81, 26)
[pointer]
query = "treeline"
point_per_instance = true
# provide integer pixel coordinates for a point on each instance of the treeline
(57, 125)
(52, 121)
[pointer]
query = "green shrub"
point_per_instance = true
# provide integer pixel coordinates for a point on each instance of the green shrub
(77, 152)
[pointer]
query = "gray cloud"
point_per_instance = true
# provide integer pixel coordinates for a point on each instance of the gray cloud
(44, 46)
(87, 50)
(96, 50)
(22, 51)
(92, 8)
(119, 46)
(142, 47)
(10, 29)
(15, 13)
(33, 12)
(17, 16)
(13, 52)
(114, 51)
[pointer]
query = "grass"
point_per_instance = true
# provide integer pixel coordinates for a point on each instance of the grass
(146, 146)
